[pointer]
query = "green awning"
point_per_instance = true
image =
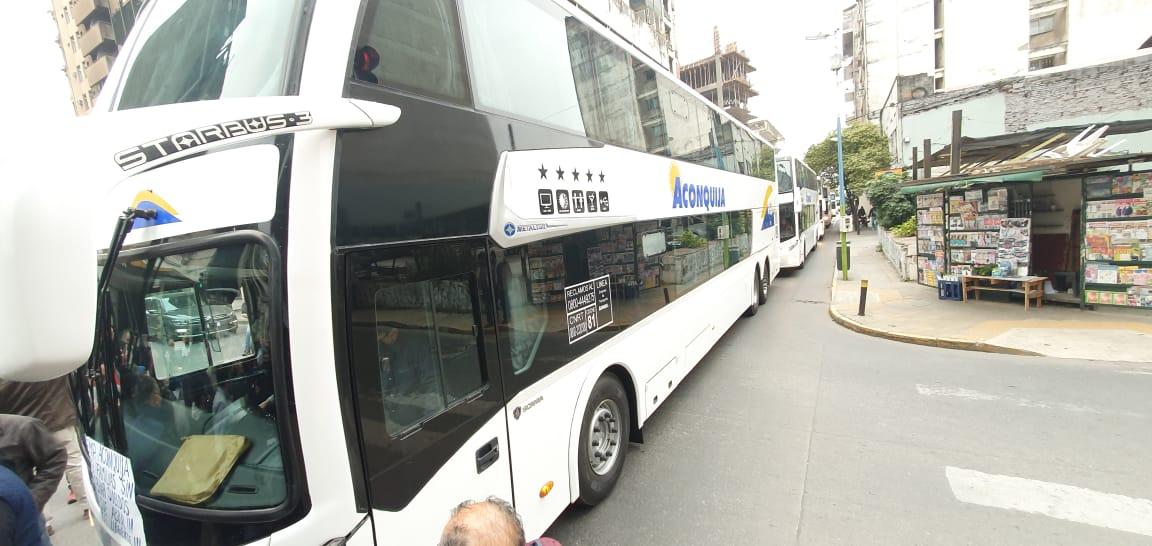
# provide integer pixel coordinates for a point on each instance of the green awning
(1026, 176)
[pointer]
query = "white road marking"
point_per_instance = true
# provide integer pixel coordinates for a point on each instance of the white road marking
(1054, 500)
(968, 394)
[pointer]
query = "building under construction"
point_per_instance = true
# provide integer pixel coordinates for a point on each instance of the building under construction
(723, 78)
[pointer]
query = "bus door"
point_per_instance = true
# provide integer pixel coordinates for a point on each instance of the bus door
(427, 384)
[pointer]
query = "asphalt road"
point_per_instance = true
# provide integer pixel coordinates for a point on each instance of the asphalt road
(794, 430)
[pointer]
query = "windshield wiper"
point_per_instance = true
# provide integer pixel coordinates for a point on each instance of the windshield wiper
(119, 234)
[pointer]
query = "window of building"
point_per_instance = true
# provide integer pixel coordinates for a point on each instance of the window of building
(939, 49)
(1042, 25)
(848, 49)
(1040, 63)
(939, 83)
(413, 46)
(938, 14)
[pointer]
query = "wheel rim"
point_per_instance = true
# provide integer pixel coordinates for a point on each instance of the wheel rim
(764, 287)
(604, 437)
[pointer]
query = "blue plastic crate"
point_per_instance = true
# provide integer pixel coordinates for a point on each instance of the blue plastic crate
(949, 290)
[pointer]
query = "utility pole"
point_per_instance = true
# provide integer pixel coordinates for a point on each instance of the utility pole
(843, 200)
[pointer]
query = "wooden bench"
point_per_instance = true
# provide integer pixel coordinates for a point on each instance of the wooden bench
(1030, 287)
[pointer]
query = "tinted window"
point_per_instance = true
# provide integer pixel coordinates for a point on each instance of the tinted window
(211, 49)
(649, 264)
(426, 349)
(413, 46)
(418, 334)
(519, 55)
(606, 87)
(784, 175)
(787, 221)
(533, 59)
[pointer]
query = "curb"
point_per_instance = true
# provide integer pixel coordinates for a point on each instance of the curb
(941, 342)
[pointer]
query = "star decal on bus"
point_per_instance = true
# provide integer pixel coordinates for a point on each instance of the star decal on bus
(559, 173)
(601, 176)
(543, 172)
(576, 175)
(589, 175)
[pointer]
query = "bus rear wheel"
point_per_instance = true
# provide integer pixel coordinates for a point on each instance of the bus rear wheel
(762, 296)
(755, 306)
(603, 440)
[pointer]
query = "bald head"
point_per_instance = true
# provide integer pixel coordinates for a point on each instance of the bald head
(490, 522)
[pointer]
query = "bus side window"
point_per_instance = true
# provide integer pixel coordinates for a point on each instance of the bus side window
(426, 349)
(413, 46)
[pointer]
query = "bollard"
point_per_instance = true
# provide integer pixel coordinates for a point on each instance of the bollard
(863, 296)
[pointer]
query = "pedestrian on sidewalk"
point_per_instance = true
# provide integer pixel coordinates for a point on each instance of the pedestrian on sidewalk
(20, 523)
(51, 402)
(861, 218)
(872, 218)
(29, 450)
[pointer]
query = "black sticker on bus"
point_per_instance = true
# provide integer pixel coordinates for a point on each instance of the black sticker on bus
(185, 140)
(590, 201)
(588, 306)
(545, 199)
(603, 201)
(577, 201)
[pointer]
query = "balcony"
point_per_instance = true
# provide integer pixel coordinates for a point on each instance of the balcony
(96, 35)
(83, 9)
(98, 70)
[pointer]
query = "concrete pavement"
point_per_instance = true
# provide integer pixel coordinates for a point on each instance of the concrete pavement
(910, 312)
(794, 430)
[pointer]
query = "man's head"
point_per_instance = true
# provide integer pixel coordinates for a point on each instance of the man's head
(387, 334)
(490, 522)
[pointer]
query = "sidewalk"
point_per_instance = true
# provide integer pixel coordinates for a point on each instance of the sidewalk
(909, 312)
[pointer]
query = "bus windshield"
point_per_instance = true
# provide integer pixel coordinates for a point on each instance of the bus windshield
(193, 50)
(182, 375)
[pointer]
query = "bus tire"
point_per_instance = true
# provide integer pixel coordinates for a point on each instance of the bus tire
(603, 440)
(755, 305)
(765, 281)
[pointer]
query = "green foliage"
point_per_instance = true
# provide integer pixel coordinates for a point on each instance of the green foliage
(892, 208)
(690, 240)
(865, 154)
(907, 229)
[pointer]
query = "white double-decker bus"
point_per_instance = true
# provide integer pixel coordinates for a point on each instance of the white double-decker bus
(368, 260)
(801, 224)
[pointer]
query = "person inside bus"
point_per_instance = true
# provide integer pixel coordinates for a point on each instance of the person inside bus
(406, 369)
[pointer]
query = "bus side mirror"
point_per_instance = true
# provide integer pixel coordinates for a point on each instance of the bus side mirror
(48, 284)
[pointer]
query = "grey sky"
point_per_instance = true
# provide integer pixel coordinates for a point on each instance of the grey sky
(797, 91)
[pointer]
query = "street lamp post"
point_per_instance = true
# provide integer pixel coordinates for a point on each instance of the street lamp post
(843, 199)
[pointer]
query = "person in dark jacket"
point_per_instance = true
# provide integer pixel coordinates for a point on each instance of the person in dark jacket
(29, 450)
(51, 402)
(20, 523)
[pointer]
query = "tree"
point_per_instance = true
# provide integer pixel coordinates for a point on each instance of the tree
(892, 208)
(865, 154)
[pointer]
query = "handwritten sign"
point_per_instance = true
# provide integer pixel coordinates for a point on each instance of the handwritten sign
(588, 306)
(114, 487)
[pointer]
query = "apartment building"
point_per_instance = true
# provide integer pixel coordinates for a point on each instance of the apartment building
(723, 78)
(964, 43)
(90, 35)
